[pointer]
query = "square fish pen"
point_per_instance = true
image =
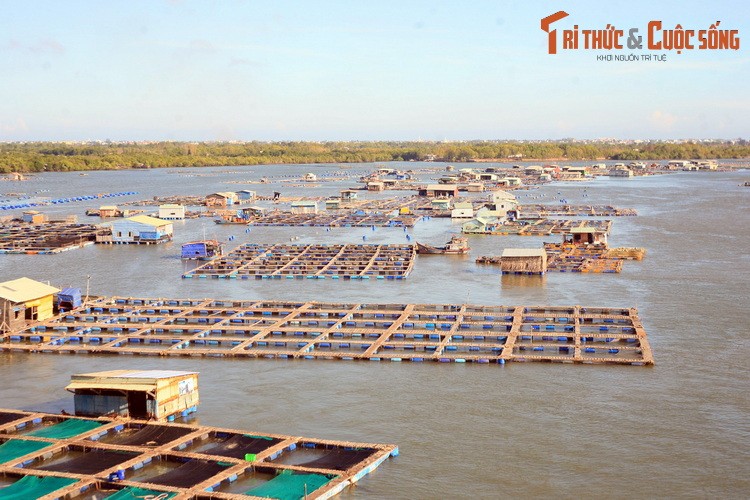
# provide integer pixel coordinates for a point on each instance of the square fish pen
(312, 330)
(120, 459)
(311, 261)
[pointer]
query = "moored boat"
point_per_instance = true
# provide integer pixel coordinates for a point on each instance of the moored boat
(458, 245)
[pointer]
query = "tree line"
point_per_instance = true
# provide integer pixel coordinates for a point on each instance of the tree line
(48, 156)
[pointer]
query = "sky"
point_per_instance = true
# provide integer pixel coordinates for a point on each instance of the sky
(345, 70)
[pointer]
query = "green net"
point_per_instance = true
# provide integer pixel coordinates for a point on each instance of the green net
(30, 487)
(66, 429)
(289, 486)
(14, 448)
(131, 493)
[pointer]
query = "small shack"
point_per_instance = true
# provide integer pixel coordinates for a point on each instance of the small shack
(462, 210)
(305, 207)
(441, 204)
(246, 195)
(440, 191)
(375, 186)
(143, 394)
(333, 203)
(22, 300)
(348, 195)
(68, 299)
(34, 217)
(503, 201)
(141, 229)
(523, 261)
(108, 211)
(586, 236)
(201, 250)
(171, 211)
(221, 199)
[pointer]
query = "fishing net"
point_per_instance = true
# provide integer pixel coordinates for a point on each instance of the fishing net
(34, 487)
(289, 485)
(92, 462)
(240, 445)
(150, 435)
(66, 429)
(339, 459)
(188, 474)
(133, 493)
(14, 448)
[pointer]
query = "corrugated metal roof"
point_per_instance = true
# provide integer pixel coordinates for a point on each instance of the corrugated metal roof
(121, 386)
(155, 374)
(441, 187)
(151, 221)
(463, 205)
(25, 289)
(171, 205)
(585, 230)
(108, 207)
(524, 252)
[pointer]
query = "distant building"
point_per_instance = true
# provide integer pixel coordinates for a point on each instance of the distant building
(246, 195)
(141, 229)
(23, 300)
(221, 199)
(34, 217)
(305, 207)
(523, 261)
(462, 210)
(375, 186)
(440, 191)
(171, 211)
(108, 211)
(348, 195)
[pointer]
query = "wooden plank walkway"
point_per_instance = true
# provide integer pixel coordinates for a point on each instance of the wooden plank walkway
(312, 330)
(185, 443)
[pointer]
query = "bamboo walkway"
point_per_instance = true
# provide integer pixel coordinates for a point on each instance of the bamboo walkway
(216, 473)
(311, 330)
(311, 261)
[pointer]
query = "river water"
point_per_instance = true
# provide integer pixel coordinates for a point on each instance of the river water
(679, 429)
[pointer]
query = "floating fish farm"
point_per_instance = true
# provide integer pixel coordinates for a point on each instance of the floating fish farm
(311, 261)
(47, 238)
(541, 227)
(70, 457)
(310, 330)
(35, 202)
(546, 210)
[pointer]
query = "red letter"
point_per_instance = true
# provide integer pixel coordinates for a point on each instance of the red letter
(552, 38)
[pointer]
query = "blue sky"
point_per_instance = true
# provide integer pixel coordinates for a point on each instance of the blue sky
(343, 70)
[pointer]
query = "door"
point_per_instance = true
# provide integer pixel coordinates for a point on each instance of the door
(137, 407)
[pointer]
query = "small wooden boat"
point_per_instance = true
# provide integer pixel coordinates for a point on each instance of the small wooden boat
(458, 245)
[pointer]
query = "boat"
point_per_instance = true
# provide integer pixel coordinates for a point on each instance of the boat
(202, 250)
(458, 245)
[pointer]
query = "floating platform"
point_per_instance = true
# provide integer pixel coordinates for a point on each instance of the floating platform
(311, 330)
(542, 227)
(311, 261)
(47, 238)
(581, 259)
(548, 210)
(70, 457)
(334, 218)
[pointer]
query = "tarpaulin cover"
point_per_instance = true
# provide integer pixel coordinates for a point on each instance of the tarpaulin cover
(92, 462)
(30, 487)
(151, 435)
(289, 486)
(66, 429)
(14, 448)
(338, 459)
(240, 445)
(188, 474)
(132, 493)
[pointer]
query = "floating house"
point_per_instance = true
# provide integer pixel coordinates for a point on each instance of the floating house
(462, 210)
(201, 250)
(348, 195)
(171, 211)
(620, 171)
(440, 191)
(221, 199)
(309, 177)
(523, 261)
(141, 229)
(34, 217)
(68, 299)
(246, 195)
(108, 211)
(23, 300)
(441, 203)
(375, 186)
(586, 236)
(305, 207)
(503, 202)
(142, 394)
(474, 187)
